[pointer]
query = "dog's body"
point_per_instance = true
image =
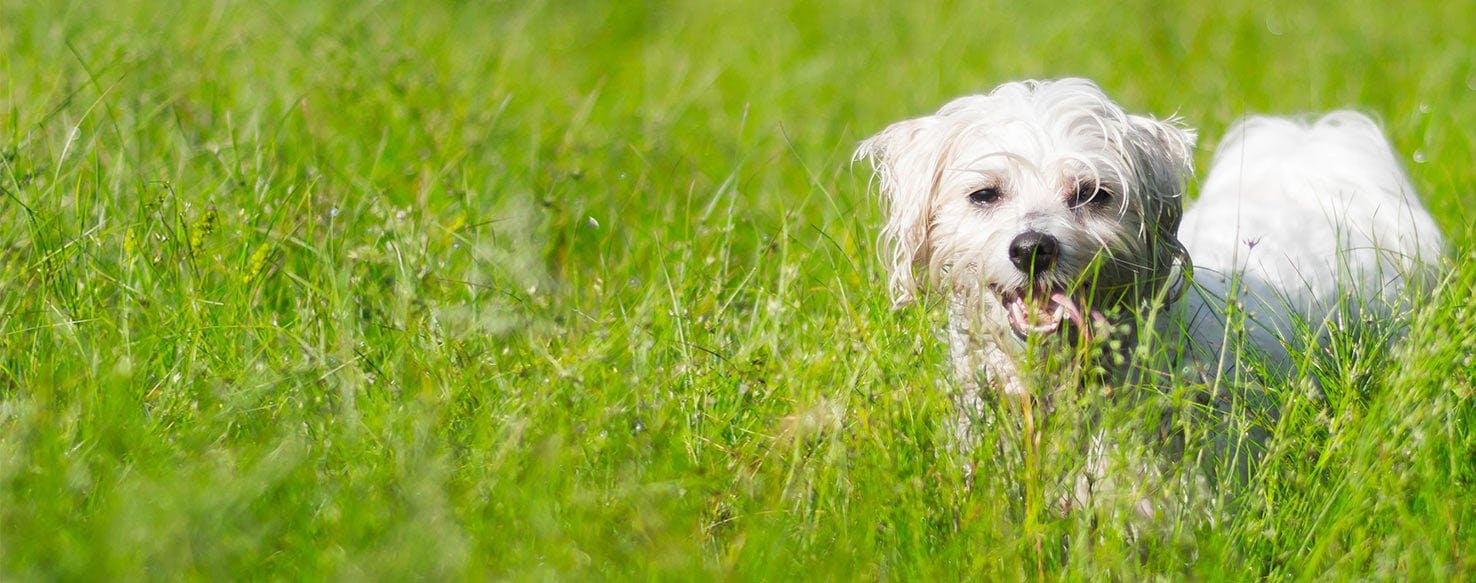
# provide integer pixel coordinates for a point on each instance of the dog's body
(1048, 216)
(1306, 224)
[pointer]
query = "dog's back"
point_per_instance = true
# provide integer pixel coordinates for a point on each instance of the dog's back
(1306, 220)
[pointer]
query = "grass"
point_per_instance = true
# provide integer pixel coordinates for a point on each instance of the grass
(533, 290)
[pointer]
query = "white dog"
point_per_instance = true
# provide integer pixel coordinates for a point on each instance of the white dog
(1048, 216)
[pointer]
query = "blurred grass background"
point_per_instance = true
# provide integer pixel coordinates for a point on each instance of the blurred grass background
(539, 290)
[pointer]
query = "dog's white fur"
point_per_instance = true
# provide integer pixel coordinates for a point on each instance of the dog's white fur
(1296, 222)
(1304, 221)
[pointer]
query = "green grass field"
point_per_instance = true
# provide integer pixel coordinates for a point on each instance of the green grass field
(589, 290)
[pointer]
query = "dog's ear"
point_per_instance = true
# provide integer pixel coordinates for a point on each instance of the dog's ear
(906, 158)
(1164, 152)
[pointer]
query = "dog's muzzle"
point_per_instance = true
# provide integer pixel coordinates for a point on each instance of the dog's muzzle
(1040, 311)
(1036, 308)
(1034, 252)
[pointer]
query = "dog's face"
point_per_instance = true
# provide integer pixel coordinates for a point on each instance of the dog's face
(1038, 204)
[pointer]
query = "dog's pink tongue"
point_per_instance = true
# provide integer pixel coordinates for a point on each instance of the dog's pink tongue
(1072, 311)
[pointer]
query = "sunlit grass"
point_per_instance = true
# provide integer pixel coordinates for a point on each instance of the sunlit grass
(582, 290)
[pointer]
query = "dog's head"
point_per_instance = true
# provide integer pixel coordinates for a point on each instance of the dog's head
(1040, 202)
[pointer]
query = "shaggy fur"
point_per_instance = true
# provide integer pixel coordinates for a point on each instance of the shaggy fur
(1046, 215)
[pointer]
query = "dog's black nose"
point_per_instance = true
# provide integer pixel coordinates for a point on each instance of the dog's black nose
(1034, 252)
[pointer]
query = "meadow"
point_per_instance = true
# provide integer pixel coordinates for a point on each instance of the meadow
(590, 290)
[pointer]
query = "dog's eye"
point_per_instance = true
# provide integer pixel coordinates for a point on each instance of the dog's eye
(984, 195)
(1090, 194)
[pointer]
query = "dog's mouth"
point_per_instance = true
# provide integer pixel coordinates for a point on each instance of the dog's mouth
(1041, 311)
